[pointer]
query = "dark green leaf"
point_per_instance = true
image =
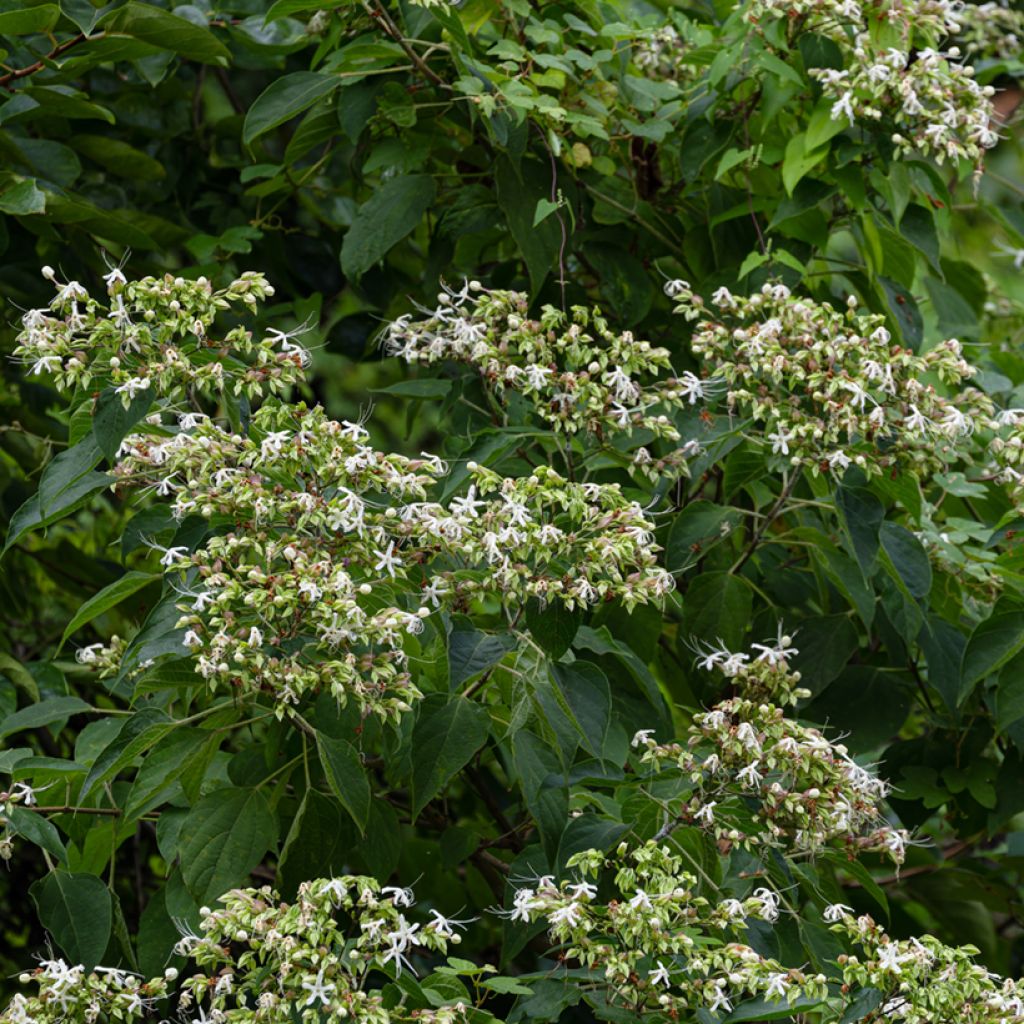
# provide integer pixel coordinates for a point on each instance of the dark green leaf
(394, 210)
(53, 709)
(77, 911)
(284, 98)
(553, 626)
(109, 597)
(993, 643)
(222, 839)
(448, 732)
(161, 28)
(346, 776)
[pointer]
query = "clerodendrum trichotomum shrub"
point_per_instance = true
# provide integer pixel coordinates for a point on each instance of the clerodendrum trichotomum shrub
(512, 512)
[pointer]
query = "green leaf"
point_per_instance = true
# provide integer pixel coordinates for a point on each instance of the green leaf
(77, 911)
(544, 209)
(53, 709)
(696, 530)
(447, 733)
(64, 470)
(553, 626)
(392, 212)
(118, 158)
(112, 422)
(20, 676)
(908, 560)
(29, 518)
(519, 192)
(871, 704)
(862, 515)
(586, 698)
(167, 31)
(319, 843)
(109, 597)
(161, 769)
(346, 776)
(471, 651)
(717, 608)
(799, 159)
(918, 227)
(285, 98)
(36, 828)
(23, 199)
(766, 1009)
(144, 729)
(943, 646)
(28, 20)
(992, 644)
(543, 787)
(822, 126)
(863, 1003)
(222, 839)
(427, 387)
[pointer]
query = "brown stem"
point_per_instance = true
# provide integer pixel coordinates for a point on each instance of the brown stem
(31, 69)
(378, 10)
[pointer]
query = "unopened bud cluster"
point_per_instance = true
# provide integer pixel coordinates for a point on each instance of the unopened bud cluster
(265, 960)
(761, 779)
(331, 555)
(156, 334)
(71, 994)
(660, 946)
(829, 389)
(576, 372)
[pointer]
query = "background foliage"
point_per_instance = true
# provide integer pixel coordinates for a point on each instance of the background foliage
(360, 155)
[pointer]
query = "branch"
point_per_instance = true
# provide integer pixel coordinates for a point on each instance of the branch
(377, 10)
(31, 69)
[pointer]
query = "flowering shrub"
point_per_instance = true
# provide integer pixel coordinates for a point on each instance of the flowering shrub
(323, 578)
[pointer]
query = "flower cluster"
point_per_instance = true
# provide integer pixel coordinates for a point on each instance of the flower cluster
(831, 389)
(156, 334)
(923, 980)
(263, 960)
(69, 992)
(837, 19)
(931, 103)
(328, 553)
(761, 779)
(576, 373)
(991, 31)
(894, 75)
(657, 944)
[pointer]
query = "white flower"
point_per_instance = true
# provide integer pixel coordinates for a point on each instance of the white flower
(642, 737)
(780, 441)
(318, 990)
(388, 560)
(133, 386)
(707, 813)
(660, 976)
(400, 897)
(778, 985)
(569, 914)
(836, 912)
(750, 775)
(769, 904)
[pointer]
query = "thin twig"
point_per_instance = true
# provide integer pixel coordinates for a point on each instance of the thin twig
(31, 69)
